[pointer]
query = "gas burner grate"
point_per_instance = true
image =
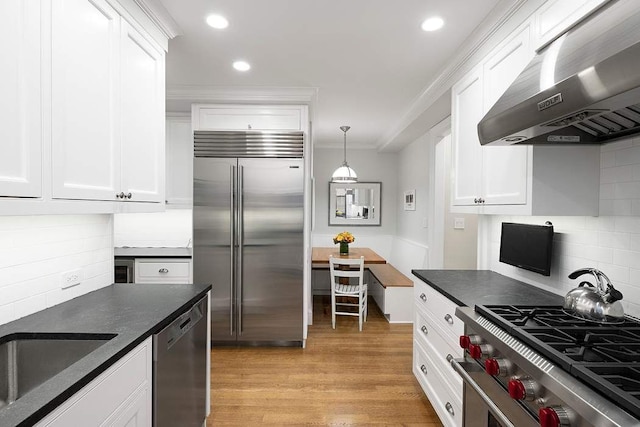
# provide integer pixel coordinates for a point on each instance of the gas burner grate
(620, 382)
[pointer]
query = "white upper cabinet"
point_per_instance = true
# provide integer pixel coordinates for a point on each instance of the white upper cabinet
(20, 103)
(107, 106)
(85, 143)
(505, 169)
(555, 17)
(466, 104)
(142, 118)
(488, 175)
(514, 180)
(238, 117)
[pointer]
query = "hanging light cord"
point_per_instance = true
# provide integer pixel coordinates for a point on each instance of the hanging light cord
(345, 129)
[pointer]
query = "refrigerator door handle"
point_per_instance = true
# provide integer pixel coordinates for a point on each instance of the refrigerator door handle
(232, 184)
(240, 245)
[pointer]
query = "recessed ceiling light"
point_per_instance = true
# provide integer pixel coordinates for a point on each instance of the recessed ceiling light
(217, 21)
(241, 66)
(432, 24)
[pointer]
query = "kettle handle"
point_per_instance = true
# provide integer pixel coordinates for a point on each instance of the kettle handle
(580, 272)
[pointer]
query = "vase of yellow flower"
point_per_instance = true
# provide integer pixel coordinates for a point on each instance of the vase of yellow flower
(344, 239)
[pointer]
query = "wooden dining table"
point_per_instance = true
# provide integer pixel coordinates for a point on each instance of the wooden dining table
(320, 256)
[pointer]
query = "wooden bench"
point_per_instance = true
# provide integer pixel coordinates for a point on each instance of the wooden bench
(392, 292)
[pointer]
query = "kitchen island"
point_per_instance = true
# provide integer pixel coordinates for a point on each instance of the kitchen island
(131, 312)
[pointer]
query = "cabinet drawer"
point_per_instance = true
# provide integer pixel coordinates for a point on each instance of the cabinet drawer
(440, 308)
(447, 405)
(439, 347)
(162, 271)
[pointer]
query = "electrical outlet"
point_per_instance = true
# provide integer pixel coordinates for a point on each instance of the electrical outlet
(458, 223)
(70, 278)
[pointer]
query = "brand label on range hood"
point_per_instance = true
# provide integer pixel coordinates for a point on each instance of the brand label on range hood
(563, 138)
(550, 101)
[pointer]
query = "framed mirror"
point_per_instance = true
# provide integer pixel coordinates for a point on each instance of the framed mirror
(355, 203)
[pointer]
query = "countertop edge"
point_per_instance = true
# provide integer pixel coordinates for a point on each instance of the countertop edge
(57, 400)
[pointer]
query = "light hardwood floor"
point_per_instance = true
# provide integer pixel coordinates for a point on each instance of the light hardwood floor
(343, 377)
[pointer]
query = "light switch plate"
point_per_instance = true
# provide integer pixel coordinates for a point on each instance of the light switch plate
(458, 223)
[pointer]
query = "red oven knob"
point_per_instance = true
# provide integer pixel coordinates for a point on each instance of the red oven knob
(467, 340)
(523, 389)
(553, 416)
(493, 366)
(478, 351)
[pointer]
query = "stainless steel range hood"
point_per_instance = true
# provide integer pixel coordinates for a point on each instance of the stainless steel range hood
(584, 88)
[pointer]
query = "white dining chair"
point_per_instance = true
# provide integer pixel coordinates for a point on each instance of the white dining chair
(348, 288)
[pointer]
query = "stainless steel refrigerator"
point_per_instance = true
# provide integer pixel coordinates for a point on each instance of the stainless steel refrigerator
(248, 235)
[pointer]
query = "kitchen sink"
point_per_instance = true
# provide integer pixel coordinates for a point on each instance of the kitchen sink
(28, 360)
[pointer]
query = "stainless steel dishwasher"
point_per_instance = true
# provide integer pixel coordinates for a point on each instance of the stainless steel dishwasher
(179, 370)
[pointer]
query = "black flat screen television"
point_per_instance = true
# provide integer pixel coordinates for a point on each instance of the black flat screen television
(527, 246)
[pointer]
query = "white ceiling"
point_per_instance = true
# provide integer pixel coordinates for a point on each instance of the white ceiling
(366, 60)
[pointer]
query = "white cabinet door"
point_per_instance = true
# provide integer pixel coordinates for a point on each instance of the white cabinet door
(85, 148)
(20, 105)
(120, 396)
(505, 169)
(555, 17)
(467, 110)
(179, 163)
(229, 117)
(142, 118)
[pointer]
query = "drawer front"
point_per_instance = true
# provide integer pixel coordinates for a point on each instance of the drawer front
(440, 308)
(439, 347)
(447, 405)
(158, 271)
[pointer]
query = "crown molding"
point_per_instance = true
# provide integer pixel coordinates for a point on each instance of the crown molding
(160, 17)
(479, 41)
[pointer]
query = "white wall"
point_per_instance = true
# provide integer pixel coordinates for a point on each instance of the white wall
(414, 175)
(370, 166)
(610, 242)
(172, 228)
(36, 250)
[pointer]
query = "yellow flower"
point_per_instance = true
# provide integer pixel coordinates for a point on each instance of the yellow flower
(344, 237)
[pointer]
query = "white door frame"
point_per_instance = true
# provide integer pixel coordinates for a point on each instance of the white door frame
(436, 206)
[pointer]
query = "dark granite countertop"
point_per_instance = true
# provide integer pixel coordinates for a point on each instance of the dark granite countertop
(483, 287)
(133, 312)
(147, 252)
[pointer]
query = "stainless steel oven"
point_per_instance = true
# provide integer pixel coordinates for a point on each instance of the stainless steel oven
(123, 270)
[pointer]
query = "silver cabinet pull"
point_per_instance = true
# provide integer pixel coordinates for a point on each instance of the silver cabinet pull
(424, 330)
(475, 200)
(163, 270)
(449, 319)
(449, 357)
(449, 409)
(120, 195)
(423, 297)
(423, 369)
(128, 195)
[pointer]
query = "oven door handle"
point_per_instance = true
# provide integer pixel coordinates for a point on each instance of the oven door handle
(502, 418)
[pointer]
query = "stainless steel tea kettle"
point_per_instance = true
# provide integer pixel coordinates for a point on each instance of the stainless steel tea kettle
(600, 303)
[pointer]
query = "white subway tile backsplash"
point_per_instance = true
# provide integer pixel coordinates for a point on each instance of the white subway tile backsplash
(171, 228)
(36, 250)
(610, 242)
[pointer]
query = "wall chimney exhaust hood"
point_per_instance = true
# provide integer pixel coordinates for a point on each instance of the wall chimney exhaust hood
(583, 88)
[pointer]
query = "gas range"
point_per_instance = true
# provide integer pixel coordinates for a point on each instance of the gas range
(554, 369)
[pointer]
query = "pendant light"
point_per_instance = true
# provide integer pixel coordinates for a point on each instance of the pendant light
(344, 173)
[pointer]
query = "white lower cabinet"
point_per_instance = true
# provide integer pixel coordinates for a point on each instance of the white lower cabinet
(120, 396)
(435, 340)
(162, 270)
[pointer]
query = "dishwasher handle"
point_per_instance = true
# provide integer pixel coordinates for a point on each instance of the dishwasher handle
(181, 326)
